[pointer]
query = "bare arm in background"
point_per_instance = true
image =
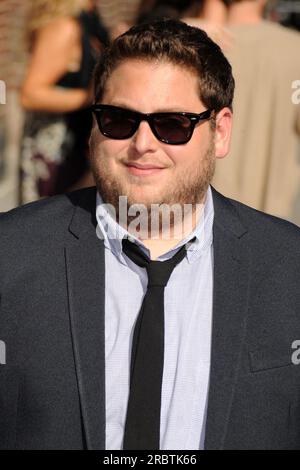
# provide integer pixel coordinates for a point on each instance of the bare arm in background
(56, 50)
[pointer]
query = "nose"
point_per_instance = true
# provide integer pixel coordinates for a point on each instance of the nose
(144, 140)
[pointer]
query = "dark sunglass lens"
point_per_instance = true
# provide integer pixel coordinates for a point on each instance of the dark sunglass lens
(173, 128)
(117, 124)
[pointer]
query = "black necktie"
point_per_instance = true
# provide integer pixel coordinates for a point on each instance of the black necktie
(142, 427)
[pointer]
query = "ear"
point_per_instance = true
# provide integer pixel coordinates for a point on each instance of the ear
(223, 132)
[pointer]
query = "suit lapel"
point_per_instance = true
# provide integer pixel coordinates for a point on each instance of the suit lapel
(85, 271)
(230, 302)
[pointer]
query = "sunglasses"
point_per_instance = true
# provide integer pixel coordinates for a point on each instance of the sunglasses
(173, 128)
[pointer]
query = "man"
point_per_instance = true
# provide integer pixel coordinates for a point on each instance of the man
(105, 349)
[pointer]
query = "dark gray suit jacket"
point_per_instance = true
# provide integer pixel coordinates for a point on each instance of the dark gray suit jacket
(52, 393)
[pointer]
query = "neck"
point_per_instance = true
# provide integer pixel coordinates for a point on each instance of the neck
(245, 12)
(160, 244)
(214, 11)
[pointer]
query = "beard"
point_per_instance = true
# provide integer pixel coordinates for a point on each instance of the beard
(188, 189)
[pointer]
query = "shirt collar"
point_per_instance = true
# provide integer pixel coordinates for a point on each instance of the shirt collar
(112, 233)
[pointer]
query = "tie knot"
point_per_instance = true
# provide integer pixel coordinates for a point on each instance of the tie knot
(158, 272)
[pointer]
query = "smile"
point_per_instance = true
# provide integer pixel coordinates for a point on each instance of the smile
(143, 170)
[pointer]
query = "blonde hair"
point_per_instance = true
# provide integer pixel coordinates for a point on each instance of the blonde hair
(42, 12)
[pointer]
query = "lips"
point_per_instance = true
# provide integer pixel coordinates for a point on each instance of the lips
(145, 167)
(143, 170)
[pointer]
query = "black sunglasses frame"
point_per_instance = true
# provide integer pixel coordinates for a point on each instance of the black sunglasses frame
(150, 117)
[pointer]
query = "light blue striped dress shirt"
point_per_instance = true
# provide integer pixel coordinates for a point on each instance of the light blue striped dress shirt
(188, 321)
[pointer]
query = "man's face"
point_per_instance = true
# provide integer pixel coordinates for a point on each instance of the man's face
(182, 172)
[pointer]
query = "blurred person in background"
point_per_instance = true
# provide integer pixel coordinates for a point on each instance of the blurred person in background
(155, 9)
(64, 38)
(209, 15)
(214, 11)
(263, 165)
(212, 18)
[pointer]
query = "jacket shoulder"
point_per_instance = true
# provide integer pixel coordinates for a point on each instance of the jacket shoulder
(265, 226)
(46, 215)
